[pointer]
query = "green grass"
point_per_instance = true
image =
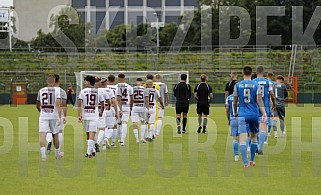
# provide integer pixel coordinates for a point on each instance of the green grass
(149, 168)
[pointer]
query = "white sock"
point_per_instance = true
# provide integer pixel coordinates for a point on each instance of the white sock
(159, 126)
(57, 151)
(61, 139)
(109, 133)
(136, 134)
(101, 135)
(49, 137)
(146, 132)
(114, 135)
(142, 131)
(119, 131)
(124, 132)
(90, 146)
(152, 129)
(43, 150)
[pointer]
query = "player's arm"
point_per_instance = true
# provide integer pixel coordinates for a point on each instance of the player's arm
(195, 92)
(102, 107)
(38, 102)
(160, 99)
(227, 111)
(80, 110)
(235, 100)
(286, 94)
(261, 106)
(59, 108)
(210, 92)
(174, 89)
(226, 90)
(189, 95)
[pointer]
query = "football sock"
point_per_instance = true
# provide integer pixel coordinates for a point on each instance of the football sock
(90, 146)
(49, 137)
(57, 152)
(109, 133)
(205, 122)
(248, 141)
(262, 139)
(275, 128)
(124, 132)
(119, 130)
(43, 151)
(61, 139)
(114, 135)
(136, 134)
(159, 126)
(152, 129)
(282, 125)
(142, 132)
(101, 135)
(243, 148)
(178, 121)
(269, 128)
(253, 149)
(184, 123)
(199, 121)
(236, 147)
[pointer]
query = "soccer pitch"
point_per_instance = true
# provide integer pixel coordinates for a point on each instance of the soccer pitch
(172, 164)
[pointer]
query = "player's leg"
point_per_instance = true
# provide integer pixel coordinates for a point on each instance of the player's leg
(151, 123)
(178, 118)
(54, 128)
(124, 123)
(144, 126)
(135, 119)
(49, 138)
(206, 112)
(254, 128)
(262, 135)
(91, 128)
(234, 134)
(159, 121)
(282, 116)
(43, 129)
(243, 135)
(185, 112)
(199, 117)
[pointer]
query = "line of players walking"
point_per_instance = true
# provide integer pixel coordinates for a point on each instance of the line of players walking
(252, 108)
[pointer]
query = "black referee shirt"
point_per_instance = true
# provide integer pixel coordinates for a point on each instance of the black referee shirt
(183, 93)
(230, 86)
(203, 91)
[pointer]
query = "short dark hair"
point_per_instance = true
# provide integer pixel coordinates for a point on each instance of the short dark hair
(103, 80)
(280, 77)
(121, 76)
(247, 70)
(111, 78)
(139, 79)
(253, 76)
(260, 70)
(57, 78)
(150, 76)
(183, 77)
(270, 74)
(90, 79)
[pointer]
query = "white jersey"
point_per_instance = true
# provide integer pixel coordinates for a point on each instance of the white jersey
(126, 92)
(63, 96)
(115, 90)
(47, 97)
(138, 99)
(110, 96)
(163, 91)
(91, 97)
(153, 96)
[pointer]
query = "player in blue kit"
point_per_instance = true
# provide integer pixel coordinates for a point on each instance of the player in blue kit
(269, 77)
(267, 95)
(247, 103)
(232, 122)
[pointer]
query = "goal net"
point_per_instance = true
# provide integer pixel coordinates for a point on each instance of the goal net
(170, 78)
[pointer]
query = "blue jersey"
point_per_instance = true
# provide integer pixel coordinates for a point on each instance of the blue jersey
(229, 102)
(247, 91)
(265, 88)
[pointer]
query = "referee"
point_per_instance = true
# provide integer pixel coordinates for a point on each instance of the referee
(203, 94)
(182, 92)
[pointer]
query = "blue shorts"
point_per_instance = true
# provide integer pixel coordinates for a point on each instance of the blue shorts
(233, 126)
(248, 124)
(268, 115)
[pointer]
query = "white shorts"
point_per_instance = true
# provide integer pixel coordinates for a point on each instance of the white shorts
(91, 125)
(48, 126)
(152, 116)
(110, 118)
(101, 123)
(139, 116)
(125, 116)
(160, 112)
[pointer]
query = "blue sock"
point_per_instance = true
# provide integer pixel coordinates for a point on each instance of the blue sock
(236, 147)
(262, 139)
(253, 150)
(243, 148)
(269, 128)
(248, 142)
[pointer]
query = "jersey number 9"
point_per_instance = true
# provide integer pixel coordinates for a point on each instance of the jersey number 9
(247, 95)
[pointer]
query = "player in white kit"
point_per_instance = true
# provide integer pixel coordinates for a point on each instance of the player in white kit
(49, 106)
(114, 117)
(164, 95)
(126, 92)
(152, 95)
(63, 104)
(111, 110)
(138, 110)
(88, 112)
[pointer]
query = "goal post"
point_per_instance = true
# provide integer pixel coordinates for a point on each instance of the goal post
(170, 78)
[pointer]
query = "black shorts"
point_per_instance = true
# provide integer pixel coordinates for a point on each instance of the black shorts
(279, 111)
(203, 108)
(182, 109)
